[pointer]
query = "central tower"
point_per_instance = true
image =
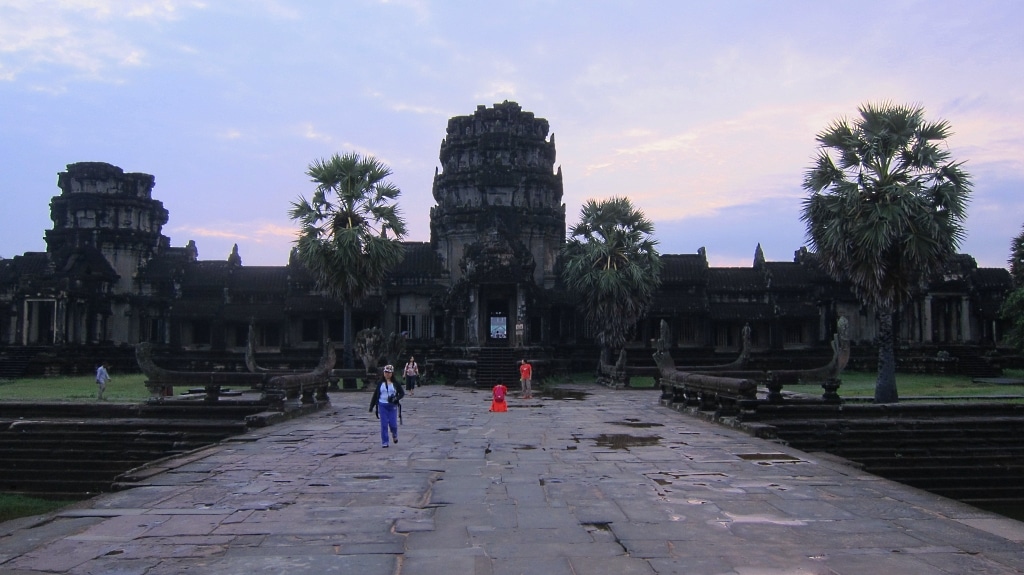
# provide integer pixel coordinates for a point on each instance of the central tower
(499, 222)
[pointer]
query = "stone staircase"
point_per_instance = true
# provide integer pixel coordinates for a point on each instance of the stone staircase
(972, 364)
(496, 364)
(14, 361)
(969, 452)
(72, 450)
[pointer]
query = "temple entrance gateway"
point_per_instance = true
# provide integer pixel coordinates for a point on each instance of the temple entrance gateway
(499, 318)
(40, 322)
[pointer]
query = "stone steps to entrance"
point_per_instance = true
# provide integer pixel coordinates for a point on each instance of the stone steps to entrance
(14, 361)
(74, 451)
(188, 410)
(91, 428)
(971, 452)
(497, 364)
(52, 449)
(28, 461)
(902, 443)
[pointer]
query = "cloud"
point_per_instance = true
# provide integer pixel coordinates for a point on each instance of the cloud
(258, 232)
(676, 143)
(310, 133)
(423, 110)
(280, 10)
(221, 231)
(700, 168)
(88, 37)
(275, 231)
(496, 90)
(420, 8)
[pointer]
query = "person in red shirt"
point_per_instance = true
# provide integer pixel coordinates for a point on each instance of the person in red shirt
(498, 403)
(525, 379)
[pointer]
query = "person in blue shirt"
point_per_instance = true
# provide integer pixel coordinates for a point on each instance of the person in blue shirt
(386, 400)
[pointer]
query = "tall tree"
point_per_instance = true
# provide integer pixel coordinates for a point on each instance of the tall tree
(1016, 260)
(351, 229)
(612, 269)
(885, 211)
(1012, 309)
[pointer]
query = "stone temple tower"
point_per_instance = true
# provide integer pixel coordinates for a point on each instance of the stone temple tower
(106, 225)
(499, 222)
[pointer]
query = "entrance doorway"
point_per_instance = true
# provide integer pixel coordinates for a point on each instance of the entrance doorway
(497, 322)
(40, 322)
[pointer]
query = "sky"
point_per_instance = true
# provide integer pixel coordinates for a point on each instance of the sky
(703, 114)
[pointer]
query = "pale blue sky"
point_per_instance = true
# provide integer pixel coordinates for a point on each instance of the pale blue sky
(703, 113)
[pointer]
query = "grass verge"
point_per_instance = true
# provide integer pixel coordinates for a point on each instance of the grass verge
(13, 506)
(129, 387)
(858, 384)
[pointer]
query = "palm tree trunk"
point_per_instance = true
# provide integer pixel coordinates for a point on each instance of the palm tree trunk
(885, 385)
(347, 354)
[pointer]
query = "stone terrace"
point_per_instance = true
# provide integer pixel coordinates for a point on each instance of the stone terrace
(590, 481)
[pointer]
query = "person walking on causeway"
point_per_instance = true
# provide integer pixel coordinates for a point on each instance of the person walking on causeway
(412, 374)
(385, 401)
(498, 403)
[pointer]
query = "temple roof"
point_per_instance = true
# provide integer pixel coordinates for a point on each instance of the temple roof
(420, 261)
(260, 279)
(684, 268)
(31, 263)
(83, 262)
(992, 278)
(735, 280)
(792, 275)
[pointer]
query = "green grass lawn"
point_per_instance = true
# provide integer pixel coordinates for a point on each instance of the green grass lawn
(129, 387)
(856, 384)
(13, 506)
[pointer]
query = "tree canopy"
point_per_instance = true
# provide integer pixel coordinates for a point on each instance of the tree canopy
(612, 267)
(1012, 309)
(885, 210)
(351, 229)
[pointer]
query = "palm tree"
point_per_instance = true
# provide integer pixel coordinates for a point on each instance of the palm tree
(885, 211)
(351, 229)
(612, 268)
(1012, 309)
(1016, 260)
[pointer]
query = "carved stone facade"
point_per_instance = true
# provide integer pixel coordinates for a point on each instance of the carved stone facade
(498, 225)
(489, 277)
(106, 226)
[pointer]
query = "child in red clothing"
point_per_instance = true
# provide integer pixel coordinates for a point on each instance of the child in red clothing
(498, 398)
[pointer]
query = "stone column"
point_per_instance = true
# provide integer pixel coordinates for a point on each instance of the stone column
(99, 327)
(965, 319)
(518, 326)
(60, 330)
(473, 329)
(927, 319)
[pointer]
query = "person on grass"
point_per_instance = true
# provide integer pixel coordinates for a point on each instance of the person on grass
(102, 379)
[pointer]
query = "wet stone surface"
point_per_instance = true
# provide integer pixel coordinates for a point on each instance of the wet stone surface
(555, 486)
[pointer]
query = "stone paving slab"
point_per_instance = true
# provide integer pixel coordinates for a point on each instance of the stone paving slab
(611, 483)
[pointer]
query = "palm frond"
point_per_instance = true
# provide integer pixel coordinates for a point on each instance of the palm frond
(892, 208)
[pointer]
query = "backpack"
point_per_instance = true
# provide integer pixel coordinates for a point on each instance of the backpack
(499, 393)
